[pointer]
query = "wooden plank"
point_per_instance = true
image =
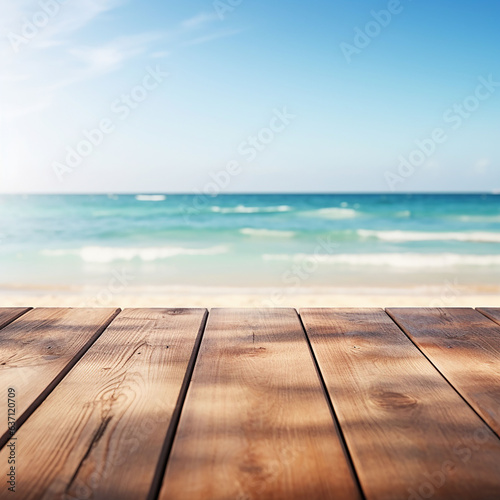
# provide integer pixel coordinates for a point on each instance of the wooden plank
(491, 312)
(410, 435)
(38, 349)
(102, 432)
(10, 314)
(464, 346)
(256, 424)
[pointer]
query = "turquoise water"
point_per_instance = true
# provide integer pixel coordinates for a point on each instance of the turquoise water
(251, 240)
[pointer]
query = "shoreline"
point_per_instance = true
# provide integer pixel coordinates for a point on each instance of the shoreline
(447, 295)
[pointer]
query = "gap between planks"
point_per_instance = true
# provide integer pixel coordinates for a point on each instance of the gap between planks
(463, 345)
(114, 411)
(52, 340)
(401, 419)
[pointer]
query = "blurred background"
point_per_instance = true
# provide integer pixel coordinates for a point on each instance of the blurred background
(236, 152)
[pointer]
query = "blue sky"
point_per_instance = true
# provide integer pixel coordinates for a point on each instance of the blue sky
(365, 88)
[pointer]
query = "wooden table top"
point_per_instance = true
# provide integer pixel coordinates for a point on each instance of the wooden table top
(250, 404)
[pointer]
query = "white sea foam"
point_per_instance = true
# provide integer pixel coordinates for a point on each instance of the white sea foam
(150, 197)
(395, 260)
(401, 236)
(105, 255)
(333, 213)
(264, 233)
(242, 209)
(480, 218)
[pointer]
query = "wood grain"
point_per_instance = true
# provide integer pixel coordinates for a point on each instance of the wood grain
(9, 314)
(256, 424)
(38, 349)
(101, 433)
(491, 312)
(464, 346)
(410, 435)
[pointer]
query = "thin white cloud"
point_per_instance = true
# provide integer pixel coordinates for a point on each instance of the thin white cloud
(60, 22)
(111, 56)
(48, 61)
(51, 61)
(211, 37)
(199, 20)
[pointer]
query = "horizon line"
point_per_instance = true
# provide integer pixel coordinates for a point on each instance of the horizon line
(249, 193)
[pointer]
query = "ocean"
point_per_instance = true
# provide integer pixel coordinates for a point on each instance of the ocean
(296, 240)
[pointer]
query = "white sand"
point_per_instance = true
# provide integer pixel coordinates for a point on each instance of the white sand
(446, 296)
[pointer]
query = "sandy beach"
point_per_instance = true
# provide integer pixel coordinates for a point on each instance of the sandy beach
(446, 296)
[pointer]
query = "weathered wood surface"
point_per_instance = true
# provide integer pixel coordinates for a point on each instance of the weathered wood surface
(9, 314)
(255, 424)
(491, 312)
(407, 430)
(38, 349)
(154, 404)
(464, 346)
(102, 432)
